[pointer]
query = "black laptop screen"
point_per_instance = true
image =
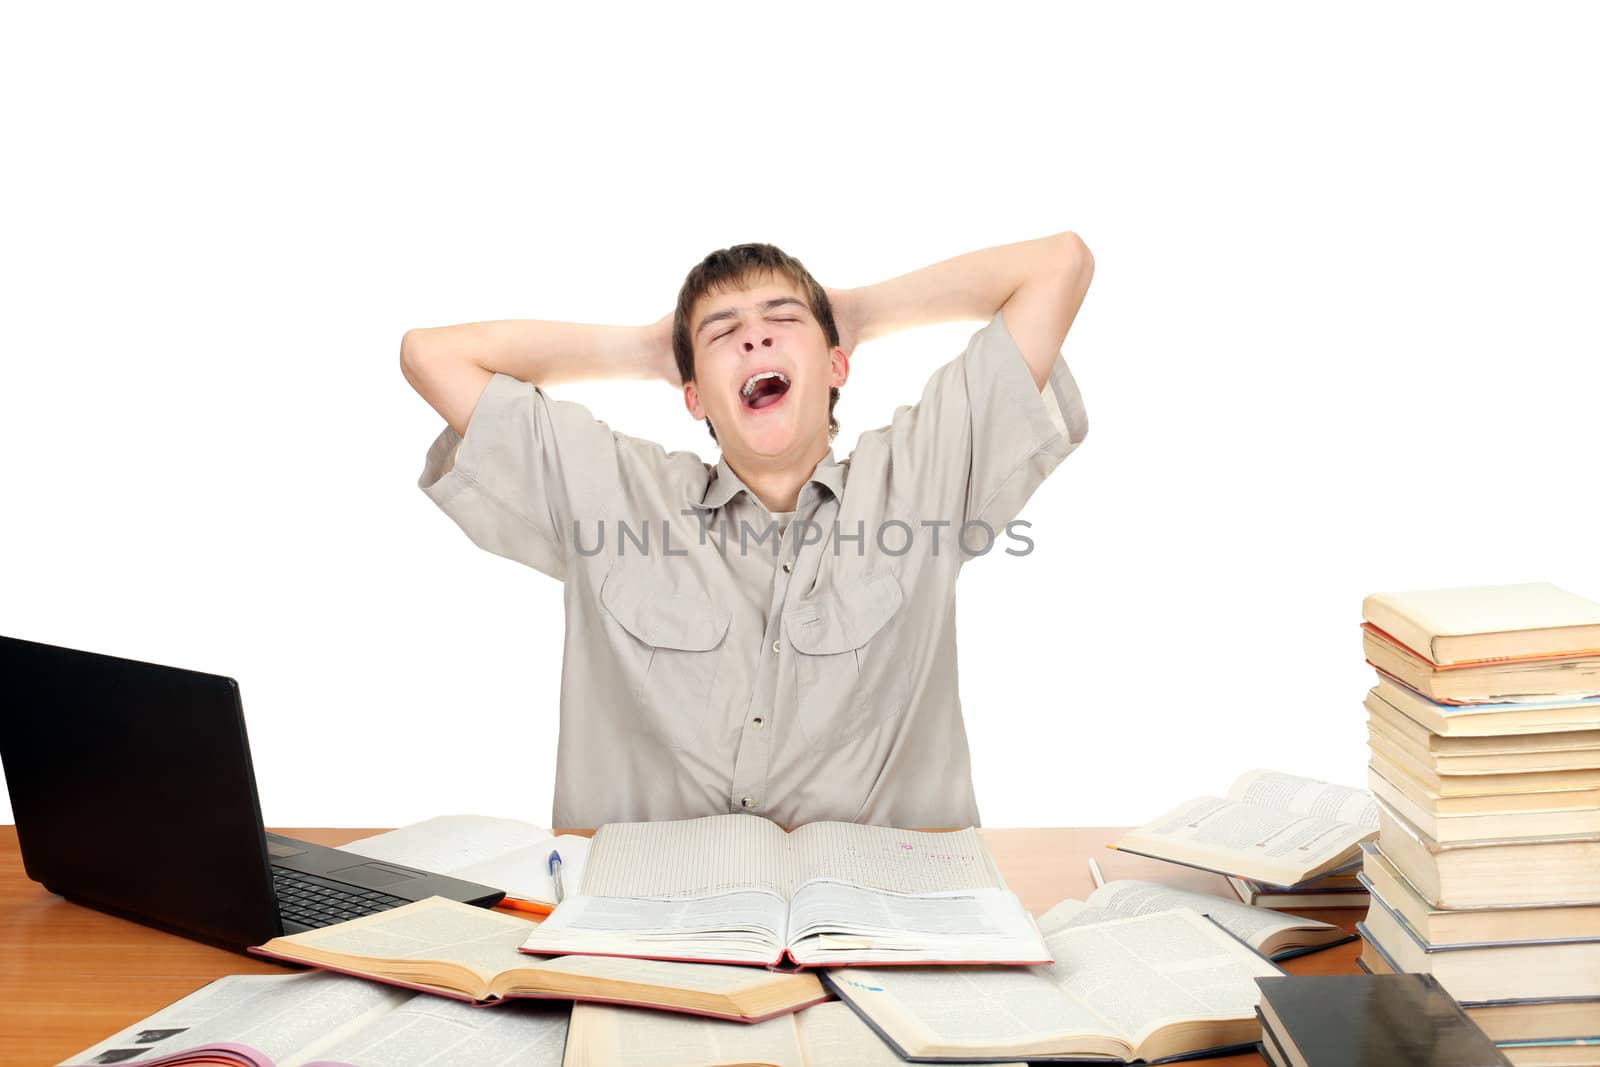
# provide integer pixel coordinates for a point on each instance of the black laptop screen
(132, 790)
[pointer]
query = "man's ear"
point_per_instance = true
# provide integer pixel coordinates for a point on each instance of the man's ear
(691, 400)
(838, 367)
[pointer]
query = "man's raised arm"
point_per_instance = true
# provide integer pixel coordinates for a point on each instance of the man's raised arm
(1039, 285)
(450, 365)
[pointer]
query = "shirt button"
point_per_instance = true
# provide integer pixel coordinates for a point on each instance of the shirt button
(777, 646)
(787, 567)
(757, 721)
(746, 802)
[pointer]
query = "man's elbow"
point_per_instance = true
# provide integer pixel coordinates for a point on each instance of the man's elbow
(411, 354)
(1074, 253)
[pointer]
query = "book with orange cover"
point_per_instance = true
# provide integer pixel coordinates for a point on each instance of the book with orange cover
(466, 953)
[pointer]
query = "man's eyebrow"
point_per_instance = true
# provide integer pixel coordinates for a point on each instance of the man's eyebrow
(730, 313)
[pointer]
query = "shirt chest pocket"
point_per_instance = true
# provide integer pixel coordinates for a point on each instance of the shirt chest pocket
(847, 681)
(670, 646)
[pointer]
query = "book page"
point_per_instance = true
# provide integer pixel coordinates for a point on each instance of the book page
(281, 1016)
(826, 905)
(1238, 837)
(1249, 924)
(830, 921)
(685, 858)
(832, 1035)
(433, 929)
(603, 1034)
(429, 1031)
(447, 843)
(525, 873)
(1306, 796)
(698, 977)
(895, 861)
(975, 1010)
(750, 925)
(1144, 972)
(1071, 912)
(507, 854)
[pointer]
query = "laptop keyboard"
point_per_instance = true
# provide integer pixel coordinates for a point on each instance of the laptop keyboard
(312, 901)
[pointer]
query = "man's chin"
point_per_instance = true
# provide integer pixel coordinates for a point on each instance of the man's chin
(770, 441)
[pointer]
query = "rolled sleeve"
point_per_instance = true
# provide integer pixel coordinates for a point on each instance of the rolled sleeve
(983, 436)
(528, 469)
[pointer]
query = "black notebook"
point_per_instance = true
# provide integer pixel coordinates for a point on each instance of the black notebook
(1406, 1020)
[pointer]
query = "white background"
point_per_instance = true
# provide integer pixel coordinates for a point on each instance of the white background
(1341, 339)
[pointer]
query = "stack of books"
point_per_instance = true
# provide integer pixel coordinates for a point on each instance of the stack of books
(1484, 736)
(1404, 1020)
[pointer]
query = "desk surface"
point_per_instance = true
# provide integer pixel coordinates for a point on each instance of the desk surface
(70, 976)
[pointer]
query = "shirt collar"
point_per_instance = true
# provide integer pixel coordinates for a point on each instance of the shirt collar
(721, 489)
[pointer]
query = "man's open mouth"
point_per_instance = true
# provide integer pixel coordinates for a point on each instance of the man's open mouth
(763, 389)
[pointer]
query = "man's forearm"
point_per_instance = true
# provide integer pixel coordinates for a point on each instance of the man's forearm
(969, 286)
(544, 353)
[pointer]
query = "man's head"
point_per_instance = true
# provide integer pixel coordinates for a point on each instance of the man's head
(751, 309)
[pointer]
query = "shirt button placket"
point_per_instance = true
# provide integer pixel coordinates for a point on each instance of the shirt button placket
(750, 768)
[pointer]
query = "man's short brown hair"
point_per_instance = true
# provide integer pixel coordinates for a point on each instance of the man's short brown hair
(730, 268)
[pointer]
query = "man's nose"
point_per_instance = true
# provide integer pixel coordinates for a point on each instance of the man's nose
(759, 335)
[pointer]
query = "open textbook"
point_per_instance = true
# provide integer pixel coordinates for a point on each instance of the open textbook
(505, 853)
(1278, 937)
(456, 950)
(303, 1020)
(739, 889)
(1149, 987)
(1278, 829)
(828, 1035)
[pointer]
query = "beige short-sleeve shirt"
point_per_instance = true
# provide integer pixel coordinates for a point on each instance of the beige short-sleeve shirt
(716, 661)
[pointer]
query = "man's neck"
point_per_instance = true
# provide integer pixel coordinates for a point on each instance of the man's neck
(778, 487)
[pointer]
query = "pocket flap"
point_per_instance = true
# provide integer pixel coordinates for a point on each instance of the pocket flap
(664, 618)
(844, 618)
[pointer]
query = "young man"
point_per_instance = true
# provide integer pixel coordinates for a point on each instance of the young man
(716, 661)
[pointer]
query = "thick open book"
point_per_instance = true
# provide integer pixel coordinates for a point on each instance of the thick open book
(505, 853)
(323, 1020)
(1278, 829)
(456, 950)
(739, 889)
(1275, 936)
(828, 1035)
(1150, 987)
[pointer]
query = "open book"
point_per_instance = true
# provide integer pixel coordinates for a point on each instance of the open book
(739, 889)
(1150, 987)
(828, 1035)
(456, 950)
(505, 853)
(1275, 936)
(1278, 829)
(327, 1020)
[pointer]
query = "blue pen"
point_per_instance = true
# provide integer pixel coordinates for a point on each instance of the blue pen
(554, 864)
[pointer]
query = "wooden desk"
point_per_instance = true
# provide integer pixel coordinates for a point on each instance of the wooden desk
(70, 976)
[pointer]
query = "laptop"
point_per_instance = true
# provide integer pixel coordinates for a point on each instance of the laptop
(133, 793)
